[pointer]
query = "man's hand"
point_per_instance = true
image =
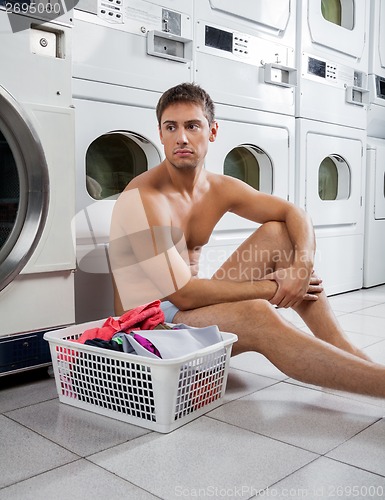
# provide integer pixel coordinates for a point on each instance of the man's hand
(294, 286)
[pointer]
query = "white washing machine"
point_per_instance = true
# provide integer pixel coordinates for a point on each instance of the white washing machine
(37, 205)
(244, 52)
(332, 61)
(244, 56)
(374, 262)
(255, 147)
(116, 139)
(134, 43)
(126, 53)
(330, 161)
(376, 109)
(331, 115)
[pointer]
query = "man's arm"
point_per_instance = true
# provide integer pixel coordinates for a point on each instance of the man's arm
(148, 263)
(293, 282)
(156, 268)
(200, 292)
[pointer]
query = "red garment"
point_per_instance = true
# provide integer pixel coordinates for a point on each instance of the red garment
(145, 317)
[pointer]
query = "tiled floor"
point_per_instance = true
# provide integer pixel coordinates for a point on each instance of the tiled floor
(272, 438)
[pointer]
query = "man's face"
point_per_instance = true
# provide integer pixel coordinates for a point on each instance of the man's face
(185, 134)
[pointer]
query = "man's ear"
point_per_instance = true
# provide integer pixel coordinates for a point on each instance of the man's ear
(213, 131)
(160, 134)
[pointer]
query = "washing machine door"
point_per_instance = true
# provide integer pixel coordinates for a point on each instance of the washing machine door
(268, 14)
(106, 164)
(112, 160)
(333, 179)
(338, 25)
(24, 189)
(256, 154)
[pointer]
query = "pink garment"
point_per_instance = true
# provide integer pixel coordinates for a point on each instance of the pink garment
(147, 344)
(145, 317)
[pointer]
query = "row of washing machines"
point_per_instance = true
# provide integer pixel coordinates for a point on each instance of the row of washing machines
(299, 88)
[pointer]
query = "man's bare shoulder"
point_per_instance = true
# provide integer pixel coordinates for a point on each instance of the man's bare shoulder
(223, 180)
(146, 192)
(152, 179)
(227, 185)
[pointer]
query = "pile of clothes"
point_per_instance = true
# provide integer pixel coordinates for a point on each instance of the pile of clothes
(156, 339)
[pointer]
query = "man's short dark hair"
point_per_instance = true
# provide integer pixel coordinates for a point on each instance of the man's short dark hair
(186, 92)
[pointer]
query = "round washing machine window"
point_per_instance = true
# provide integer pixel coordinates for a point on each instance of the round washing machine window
(340, 12)
(114, 159)
(251, 165)
(24, 188)
(9, 191)
(334, 179)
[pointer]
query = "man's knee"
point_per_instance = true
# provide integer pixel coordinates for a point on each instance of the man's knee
(274, 229)
(262, 312)
(276, 232)
(259, 327)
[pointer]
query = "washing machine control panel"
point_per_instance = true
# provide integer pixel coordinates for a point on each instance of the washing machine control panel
(111, 11)
(243, 47)
(236, 43)
(168, 32)
(137, 17)
(331, 73)
(353, 82)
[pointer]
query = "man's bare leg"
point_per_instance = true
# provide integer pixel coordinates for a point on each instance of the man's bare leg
(299, 355)
(268, 249)
(321, 320)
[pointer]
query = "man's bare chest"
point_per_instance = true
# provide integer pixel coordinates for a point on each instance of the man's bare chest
(196, 225)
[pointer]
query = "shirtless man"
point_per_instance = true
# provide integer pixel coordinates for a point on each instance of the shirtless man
(165, 216)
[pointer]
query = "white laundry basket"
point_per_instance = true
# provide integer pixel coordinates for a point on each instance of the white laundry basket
(158, 394)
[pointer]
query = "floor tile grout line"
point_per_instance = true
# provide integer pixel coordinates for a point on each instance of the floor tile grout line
(224, 403)
(122, 478)
(355, 435)
(148, 433)
(29, 405)
(259, 374)
(328, 458)
(323, 454)
(348, 396)
(74, 452)
(265, 436)
(41, 473)
(356, 467)
(292, 473)
(41, 435)
(359, 312)
(298, 383)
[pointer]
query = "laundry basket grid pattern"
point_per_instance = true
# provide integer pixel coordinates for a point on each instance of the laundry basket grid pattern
(158, 394)
(100, 380)
(201, 382)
